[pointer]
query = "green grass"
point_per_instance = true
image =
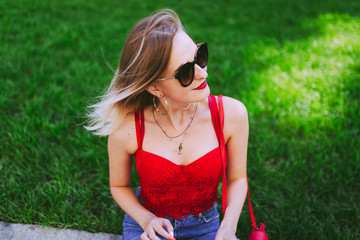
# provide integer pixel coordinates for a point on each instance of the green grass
(295, 65)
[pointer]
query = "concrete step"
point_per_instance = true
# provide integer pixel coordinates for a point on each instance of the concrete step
(14, 231)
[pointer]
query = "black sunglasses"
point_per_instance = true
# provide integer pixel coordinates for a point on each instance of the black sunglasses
(185, 73)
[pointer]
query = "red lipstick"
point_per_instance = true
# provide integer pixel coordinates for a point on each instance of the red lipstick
(202, 86)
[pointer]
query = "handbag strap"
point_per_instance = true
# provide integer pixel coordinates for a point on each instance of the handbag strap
(218, 122)
(252, 217)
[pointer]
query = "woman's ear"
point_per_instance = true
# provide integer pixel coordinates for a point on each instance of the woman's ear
(154, 90)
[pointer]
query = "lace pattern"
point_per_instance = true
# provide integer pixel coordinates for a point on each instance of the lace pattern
(174, 190)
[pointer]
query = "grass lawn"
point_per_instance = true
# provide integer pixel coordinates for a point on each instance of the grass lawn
(294, 64)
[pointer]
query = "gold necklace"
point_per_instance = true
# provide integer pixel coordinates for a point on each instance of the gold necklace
(180, 147)
(172, 137)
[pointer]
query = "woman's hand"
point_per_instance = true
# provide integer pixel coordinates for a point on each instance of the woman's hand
(225, 233)
(157, 225)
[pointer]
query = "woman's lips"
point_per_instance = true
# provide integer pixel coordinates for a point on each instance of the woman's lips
(202, 86)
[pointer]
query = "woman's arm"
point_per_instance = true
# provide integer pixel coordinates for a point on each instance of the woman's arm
(121, 145)
(236, 132)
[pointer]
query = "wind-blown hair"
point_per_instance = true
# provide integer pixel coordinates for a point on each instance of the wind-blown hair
(144, 58)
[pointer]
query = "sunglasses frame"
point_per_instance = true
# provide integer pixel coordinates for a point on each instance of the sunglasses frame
(192, 67)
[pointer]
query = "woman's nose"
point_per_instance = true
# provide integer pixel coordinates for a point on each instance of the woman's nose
(200, 73)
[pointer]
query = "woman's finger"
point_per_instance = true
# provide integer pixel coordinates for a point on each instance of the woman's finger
(169, 227)
(153, 236)
(151, 233)
(144, 236)
(160, 230)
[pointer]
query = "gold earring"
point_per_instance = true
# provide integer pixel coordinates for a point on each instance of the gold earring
(157, 109)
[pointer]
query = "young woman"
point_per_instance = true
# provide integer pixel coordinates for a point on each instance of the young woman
(157, 110)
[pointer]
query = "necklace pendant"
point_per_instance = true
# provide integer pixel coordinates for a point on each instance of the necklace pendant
(180, 148)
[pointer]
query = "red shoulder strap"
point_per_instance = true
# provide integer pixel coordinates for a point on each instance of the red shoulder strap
(214, 115)
(140, 127)
(218, 122)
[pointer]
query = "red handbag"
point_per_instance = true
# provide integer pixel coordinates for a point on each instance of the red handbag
(218, 121)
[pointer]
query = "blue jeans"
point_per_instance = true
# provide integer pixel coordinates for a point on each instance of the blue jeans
(202, 227)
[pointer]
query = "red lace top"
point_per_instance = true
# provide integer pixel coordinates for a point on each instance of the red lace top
(168, 189)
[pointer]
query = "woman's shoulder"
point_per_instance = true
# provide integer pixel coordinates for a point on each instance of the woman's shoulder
(234, 108)
(125, 135)
(235, 116)
(233, 103)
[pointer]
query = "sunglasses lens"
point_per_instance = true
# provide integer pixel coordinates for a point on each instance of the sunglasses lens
(186, 74)
(202, 55)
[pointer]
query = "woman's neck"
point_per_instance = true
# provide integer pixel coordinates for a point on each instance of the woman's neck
(177, 115)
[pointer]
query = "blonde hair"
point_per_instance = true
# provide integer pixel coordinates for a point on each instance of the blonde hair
(144, 58)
